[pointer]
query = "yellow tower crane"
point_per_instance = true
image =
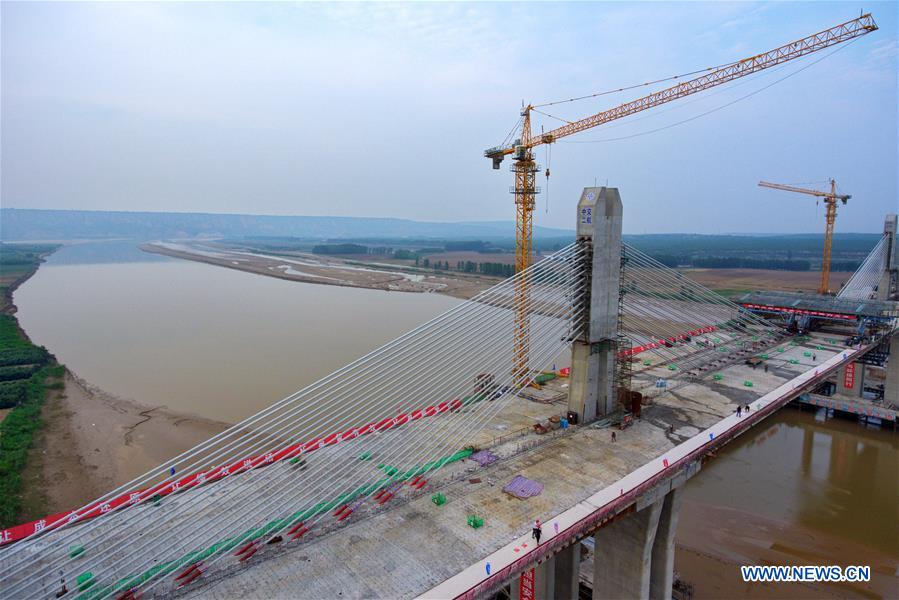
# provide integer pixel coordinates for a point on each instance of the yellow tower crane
(830, 199)
(525, 167)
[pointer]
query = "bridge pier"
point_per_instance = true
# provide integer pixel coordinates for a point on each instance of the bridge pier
(891, 385)
(622, 556)
(592, 390)
(567, 577)
(634, 555)
(850, 379)
(661, 578)
(537, 583)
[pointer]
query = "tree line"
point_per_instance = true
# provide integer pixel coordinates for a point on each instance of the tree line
(494, 269)
(737, 262)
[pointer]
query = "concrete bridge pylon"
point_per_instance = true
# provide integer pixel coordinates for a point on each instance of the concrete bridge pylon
(889, 282)
(592, 389)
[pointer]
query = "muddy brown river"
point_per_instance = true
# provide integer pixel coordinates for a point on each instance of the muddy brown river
(202, 339)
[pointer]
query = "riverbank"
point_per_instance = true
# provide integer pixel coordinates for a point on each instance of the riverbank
(17, 264)
(24, 373)
(309, 268)
(87, 441)
(92, 442)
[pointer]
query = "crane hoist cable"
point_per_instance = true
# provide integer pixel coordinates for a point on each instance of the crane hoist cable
(634, 86)
(549, 158)
(681, 105)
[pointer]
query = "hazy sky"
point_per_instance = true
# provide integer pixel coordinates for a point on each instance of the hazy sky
(385, 110)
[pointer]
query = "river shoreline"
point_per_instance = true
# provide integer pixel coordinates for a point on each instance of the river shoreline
(332, 271)
(93, 441)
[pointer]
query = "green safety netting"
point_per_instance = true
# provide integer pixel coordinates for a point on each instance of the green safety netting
(86, 579)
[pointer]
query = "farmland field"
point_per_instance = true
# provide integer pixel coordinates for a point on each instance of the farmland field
(733, 281)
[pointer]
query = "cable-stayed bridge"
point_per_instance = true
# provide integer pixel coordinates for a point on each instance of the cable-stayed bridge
(872, 281)
(408, 471)
(868, 299)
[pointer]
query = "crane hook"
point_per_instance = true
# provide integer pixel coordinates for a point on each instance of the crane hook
(549, 158)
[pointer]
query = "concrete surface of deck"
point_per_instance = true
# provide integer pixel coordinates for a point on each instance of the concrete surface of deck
(416, 545)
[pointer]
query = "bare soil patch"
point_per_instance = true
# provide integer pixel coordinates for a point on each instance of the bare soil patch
(93, 442)
(763, 279)
(330, 270)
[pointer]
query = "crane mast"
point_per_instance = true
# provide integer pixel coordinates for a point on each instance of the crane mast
(830, 200)
(525, 168)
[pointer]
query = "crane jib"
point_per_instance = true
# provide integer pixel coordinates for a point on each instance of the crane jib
(829, 37)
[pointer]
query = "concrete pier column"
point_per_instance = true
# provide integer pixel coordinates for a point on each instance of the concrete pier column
(850, 378)
(592, 390)
(891, 385)
(545, 580)
(568, 566)
(623, 555)
(537, 583)
(515, 588)
(661, 578)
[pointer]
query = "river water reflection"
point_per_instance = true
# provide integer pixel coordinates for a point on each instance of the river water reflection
(795, 490)
(832, 476)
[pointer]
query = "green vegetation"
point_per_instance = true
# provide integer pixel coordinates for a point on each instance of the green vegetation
(340, 249)
(16, 436)
(17, 263)
(778, 252)
(486, 268)
(401, 254)
(25, 256)
(734, 262)
(473, 245)
(23, 388)
(257, 534)
(24, 370)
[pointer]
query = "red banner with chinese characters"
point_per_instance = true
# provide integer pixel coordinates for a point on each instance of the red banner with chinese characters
(526, 585)
(95, 509)
(849, 376)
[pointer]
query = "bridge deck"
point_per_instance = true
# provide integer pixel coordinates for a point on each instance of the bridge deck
(417, 545)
